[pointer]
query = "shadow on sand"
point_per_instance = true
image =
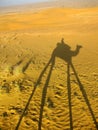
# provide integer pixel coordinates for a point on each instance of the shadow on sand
(64, 52)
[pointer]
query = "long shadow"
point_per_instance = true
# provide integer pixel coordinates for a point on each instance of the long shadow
(31, 96)
(85, 96)
(62, 51)
(69, 95)
(44, 95)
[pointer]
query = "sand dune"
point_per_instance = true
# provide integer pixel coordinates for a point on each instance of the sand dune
(77, 20)
(27, 40)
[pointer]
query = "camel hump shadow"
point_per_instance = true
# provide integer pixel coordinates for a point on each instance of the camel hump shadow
(64, 51)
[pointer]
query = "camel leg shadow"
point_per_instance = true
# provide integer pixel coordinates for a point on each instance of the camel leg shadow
(44, 94)
(33, 91)
(52, 60)
(85, 96)
(69, 96)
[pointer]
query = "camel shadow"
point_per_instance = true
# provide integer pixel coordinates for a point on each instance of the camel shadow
(64, 52)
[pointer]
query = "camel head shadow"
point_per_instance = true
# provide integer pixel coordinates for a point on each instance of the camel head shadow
(64, 51)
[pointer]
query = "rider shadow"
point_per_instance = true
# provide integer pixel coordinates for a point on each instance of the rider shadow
(64, 52)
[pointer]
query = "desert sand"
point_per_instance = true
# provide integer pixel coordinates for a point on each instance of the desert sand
(27, 40)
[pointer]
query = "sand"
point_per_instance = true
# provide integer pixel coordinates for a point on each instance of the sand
(27, 40)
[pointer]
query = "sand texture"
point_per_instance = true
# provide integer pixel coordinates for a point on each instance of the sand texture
(64, 98)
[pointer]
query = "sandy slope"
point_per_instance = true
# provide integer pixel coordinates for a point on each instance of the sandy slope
(26, 43)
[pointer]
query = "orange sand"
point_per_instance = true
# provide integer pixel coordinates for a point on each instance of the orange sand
(33, 36)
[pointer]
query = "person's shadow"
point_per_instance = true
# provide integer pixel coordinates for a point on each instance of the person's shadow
(64, 52)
